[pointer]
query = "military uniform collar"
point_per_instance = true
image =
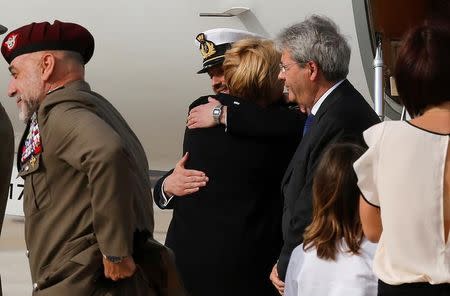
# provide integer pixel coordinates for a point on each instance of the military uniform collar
(61, 94)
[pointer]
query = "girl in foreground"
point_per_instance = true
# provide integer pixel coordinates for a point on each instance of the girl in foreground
(335, 257)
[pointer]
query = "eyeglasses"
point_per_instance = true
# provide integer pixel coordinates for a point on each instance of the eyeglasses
(285, 68)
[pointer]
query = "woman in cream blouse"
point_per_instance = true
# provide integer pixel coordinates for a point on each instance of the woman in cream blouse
(404, 176)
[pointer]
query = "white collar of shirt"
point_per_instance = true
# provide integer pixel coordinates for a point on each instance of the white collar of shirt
(316, 106)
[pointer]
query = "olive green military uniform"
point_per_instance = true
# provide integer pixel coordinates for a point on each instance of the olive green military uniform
(86, 194)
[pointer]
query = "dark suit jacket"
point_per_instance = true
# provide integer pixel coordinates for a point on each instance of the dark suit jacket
(343, 116)
(6, 162)
(244, 119)
(227, 236)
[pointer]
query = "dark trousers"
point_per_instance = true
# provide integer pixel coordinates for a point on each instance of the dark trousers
(413, 289)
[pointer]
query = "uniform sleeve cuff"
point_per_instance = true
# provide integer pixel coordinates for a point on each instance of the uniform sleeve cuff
(165, 199)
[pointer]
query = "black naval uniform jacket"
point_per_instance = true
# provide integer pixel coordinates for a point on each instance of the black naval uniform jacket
(343, 116)
(227, 236)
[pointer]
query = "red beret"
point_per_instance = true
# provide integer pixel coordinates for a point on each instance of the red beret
(44, 36)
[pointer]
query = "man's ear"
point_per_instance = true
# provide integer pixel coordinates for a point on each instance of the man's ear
(47, 66)
(313, 70)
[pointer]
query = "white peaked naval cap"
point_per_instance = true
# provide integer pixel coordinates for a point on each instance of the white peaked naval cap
(213, 44)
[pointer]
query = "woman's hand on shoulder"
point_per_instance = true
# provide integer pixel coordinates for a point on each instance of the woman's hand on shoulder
(202, 115)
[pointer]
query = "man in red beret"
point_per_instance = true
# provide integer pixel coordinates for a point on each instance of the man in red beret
(87, 197)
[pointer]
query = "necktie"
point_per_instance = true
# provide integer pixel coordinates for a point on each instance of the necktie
(308, 123)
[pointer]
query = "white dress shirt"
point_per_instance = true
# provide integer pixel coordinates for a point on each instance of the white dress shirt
(319, 102)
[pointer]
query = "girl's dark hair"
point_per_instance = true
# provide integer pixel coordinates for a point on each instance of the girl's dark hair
(335, 203)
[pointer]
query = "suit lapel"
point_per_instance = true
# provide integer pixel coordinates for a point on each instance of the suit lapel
(332, 98)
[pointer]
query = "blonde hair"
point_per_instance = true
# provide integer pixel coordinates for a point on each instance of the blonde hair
(251, 69)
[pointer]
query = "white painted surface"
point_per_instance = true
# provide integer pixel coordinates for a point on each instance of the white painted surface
(145, 59)
(15, 196)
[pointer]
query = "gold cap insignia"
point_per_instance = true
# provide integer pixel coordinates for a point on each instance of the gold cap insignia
(207, 48)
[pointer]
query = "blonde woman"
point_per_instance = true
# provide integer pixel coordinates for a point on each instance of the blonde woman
(227, 236)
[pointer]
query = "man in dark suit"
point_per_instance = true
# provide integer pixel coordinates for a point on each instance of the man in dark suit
(314, 66)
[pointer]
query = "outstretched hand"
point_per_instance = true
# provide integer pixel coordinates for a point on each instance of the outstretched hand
(183, 181)
(201, 116)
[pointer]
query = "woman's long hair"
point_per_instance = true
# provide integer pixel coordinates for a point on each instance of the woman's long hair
(335, 203)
